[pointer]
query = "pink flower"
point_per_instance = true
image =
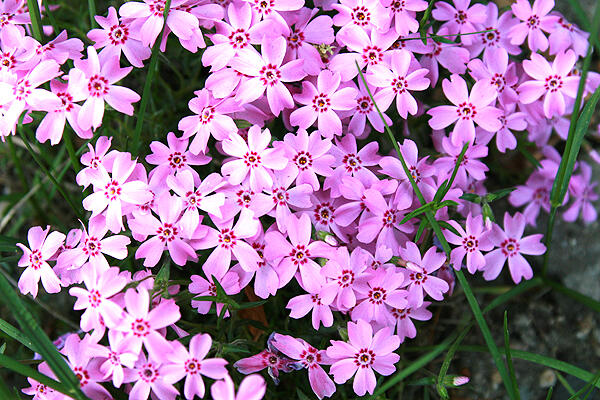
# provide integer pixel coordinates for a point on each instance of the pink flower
(193, 364)
(404, 13)
(96, 159)
(496, 70)
(346, 270)
(365, 110)
(470, 165)
(405, 328)
(397, 83)
(581, 188)
(498, 37)
(512, 245)
(269, 358)
(534, 20)
(322, 102)
(93, 81)
(468, 109)
(113, 193)
(367, 14)
(364, 353)
(210, 119)
(202, 287)
(118, 355)
(310, 358)
(267, 73)
(553, 82)
(150, 375)
(115, 37)
(318, 300)
(453, 58)
(418, 274)
(461, 19)
(253, 387)
(43, 247)
(95, 299)
(378, 294)
(472, 240)
(254, 160)
(166, 233)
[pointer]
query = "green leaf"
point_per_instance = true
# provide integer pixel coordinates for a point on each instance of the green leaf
(511, 368)
(446, 203)
(575, 295)
(36, 20)
(472, 197)
(416, 213)
(446, 225)
(498, 194)
(251, 304)
(549, 395)
(487, 212)
(8, 244)
(40, 340)
(440, 386)
(442, 39)
(420, 230)
(459, 161)
(15, 366)
(17, 335)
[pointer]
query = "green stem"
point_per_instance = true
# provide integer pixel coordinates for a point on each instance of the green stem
(92, 9)
(36, 20)
(71, 151)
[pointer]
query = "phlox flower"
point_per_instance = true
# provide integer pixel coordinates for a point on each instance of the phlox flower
(148, 19)
(118, 355)
(269, 358)
(534, 20)
(271, 11)
(96, 300)
(311, 359)
(451, 57)
(512, 245)
(581, 188)
(461, 18)
(534, 195)
(552, 82)
(419, 169)
(93, 247)
(114, 192)
(363, 353)
(143, 324)
(467, 110)
(322, 102)
(323, 214)
(253, 159)
(97, 158)
(253, 387)
(309, 156)
(173, 158)
(318, 300)
(94, 81)
(567, 35)
(12, 16)
(510, 120)
(115, 37)
(202, 287)
(150, 375)
(53, 125)
(18, 93)
(498, 35)
(471, 242)
(397, 83)
(366, 14)
(496, 70)
(405, 328)
(346, 270)
(470, 166)
(59, 49)
(377, 295)
(418, 274)
(34, 260)
(365, 110)
(353, 190)
(192, 365)
(38, 390)
(210, 119)
(16, 51)
(283, 196)
(404, 13)
(266, 72)
(266, 280)
(166, 232)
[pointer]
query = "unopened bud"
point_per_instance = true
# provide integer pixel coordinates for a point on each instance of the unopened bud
(460, 380)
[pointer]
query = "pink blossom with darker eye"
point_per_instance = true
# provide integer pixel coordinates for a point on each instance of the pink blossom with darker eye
(53, 125)
(362, 50)
(283, 196)
(266, 280)
(269, 358)
(266, 72)
(310, 358)
(534, 20)
(553, 82)
(114, 194)
(497, 33)
(166, 233)
(418, 274)
(346, 270)
(11, 16)
(59, 49)
(496, 70)
(534, 195)
(270, 10)
(95, 299)
(377, 294)
(199, 286)
(470, 166)
(397, 83)
(366, 14)
(451, 57)
(253, 387)
(193, 364)
(254, 161)
(567, 35)
(323, 214)
(512, 245)
(511, 120)
(365, 110)
(94, 81)
(309, 156)
(581, 188)
(471, 241)
(211, 119)
(115, 37)
(467, 110)
(405, 328)
(97, 158)
(363, 353)
(353, 190)
(322, 102)
(34, 260)
(318, 300)
(20, 92)
(404, 14)
(117, 355)
(173, 159)
(150, 375)
(460, 19)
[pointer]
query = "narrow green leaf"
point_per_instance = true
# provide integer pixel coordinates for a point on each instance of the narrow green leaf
(439, 193)
(40, 340)
(566, 384)
(447, 203)
(4, 390)
(509, 362)
(442, 39)
(459, 161)
(17, 335)
(420, 230)
(148, 85)
(36, 20)
(21, 369)
(441, 388)
(251, 304)
(449, 227)
(498, 194)
(92, 9)
(472, 197)
(8, 244)
(423, 22)
(415, 213)
(206, 298)
(575, 295)
(549, 395)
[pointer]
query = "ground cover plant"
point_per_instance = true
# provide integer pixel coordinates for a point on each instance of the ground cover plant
(238, 199)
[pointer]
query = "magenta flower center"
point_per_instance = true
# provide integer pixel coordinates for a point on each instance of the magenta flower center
(227, 238)
(7, 60)
(360, 16)
(118, 34)
(399, 84)
(114, 358)
(364, 105)
(553, 83)
(192, 366)
(252, 159)
(418, 278)
(352, 162)
(316, 299)
(310, 358)
(66, 100)
(148, 373)
(499, 81)
(415, 173)
(207, 115)
(490, 38)
(346, 278)
(269, 75)
(400, 313)
(372, 55)
(303, 160)
(140, 327)
(167, 232)
(112, 190)
(466, 111)
(157, 7)
(470, 243)
(460, 17)
(398, 6)
(324, 213)
(510, 247)
(22, 90)
(244, 198)
(295, 39)
(193, 199)
(377, 295)
(95, 298)
(35, 259)
(264, 6)
(533, 21)
(389, 218)
(98, 86)
(364, 358)
(239, 38)
(321, 103)
(280, 196)
(83, 375)
(92, 246)
(299, 255)
(177, 160)
(5, 19)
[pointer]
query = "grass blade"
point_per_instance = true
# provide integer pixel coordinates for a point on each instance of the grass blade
(17, 335)
(575, 295)
(566, 385)
(36, 20)
(139, 123)
(441, 388)
(549, 395)
(15, 366)
(40, 340)
(515, 291)
(511, 368)
(459, 160)
(92, 9)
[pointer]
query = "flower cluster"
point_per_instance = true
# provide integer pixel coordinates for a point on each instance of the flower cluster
(252, 223)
